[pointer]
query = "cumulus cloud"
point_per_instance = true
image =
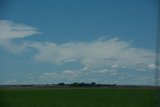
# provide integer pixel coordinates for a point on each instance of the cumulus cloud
(152, 66)
(94, 55)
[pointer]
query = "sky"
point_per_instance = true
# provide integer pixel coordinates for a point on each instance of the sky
(102, 41)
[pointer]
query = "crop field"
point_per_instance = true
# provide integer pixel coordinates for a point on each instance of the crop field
(78, 97)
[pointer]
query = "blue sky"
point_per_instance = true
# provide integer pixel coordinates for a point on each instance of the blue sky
(103, 41)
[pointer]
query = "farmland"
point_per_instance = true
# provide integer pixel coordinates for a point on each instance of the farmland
(78, 97)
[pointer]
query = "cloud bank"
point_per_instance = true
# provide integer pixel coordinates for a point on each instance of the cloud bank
(102, 58)
(98, 54)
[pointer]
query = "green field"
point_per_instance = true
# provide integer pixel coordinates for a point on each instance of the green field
(95, 97)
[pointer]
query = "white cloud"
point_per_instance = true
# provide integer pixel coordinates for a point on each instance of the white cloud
(11, 30)
(12, 47)
(98, 54)
(101, 56)
(68, 72)
(152, 66)
(94, 55)
(114, 66)
(101, 71)
(49, 74)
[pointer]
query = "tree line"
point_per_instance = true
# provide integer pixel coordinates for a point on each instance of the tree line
(62, 84)
(82, 84)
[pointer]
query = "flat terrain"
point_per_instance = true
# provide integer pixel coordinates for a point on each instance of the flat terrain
(79, 97)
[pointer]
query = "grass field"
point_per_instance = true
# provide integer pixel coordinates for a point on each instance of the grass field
(95, 97)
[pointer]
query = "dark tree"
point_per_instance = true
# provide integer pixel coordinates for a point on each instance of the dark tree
(61, 84)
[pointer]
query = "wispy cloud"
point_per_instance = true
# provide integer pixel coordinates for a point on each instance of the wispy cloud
(10, 30)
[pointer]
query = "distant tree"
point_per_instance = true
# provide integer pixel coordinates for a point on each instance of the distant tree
(61, 84)
(83, 84)
(75, 84)
(93, 84)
